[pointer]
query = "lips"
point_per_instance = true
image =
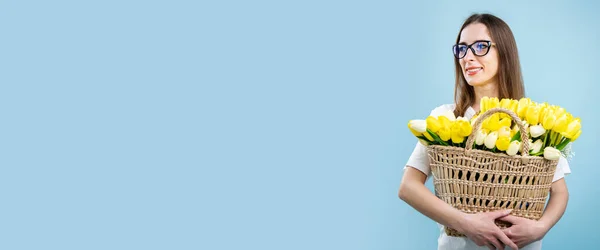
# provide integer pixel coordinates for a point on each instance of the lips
(473, 70)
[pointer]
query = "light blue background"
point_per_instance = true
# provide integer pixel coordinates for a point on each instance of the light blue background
(254, 124)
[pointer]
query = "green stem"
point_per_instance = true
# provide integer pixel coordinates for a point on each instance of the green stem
(564, 143)
(558, 138)
(552, 138)
(437, 138)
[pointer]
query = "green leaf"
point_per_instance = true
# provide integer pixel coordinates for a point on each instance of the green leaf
(538, 153)
(437, 138)
(517, 136)
(564, 143)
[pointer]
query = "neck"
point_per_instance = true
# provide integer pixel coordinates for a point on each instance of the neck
(489, 90)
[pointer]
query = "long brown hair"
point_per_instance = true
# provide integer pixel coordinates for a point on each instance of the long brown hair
(510, 80)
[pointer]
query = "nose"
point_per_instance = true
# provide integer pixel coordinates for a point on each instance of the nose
(470, 56)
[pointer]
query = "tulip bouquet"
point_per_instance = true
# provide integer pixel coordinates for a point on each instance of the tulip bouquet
(550, 128)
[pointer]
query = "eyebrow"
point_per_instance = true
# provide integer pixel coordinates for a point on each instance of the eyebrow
(464, 43)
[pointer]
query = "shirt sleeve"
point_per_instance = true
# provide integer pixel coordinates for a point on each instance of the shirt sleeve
(562, 169)
(419, 159)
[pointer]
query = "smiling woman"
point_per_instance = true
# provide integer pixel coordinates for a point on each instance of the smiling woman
(487, 65)
(493, 67)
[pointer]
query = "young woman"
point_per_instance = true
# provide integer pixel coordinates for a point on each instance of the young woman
(487, 64)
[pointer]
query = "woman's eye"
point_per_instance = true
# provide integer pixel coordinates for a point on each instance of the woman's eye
(481, 46)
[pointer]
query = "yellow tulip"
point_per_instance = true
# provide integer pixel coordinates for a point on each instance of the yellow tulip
(548, 119)
(483, 104)
(444, 122)
(493, 103)
(572, 129)
(492, 123)
(505, 104)
(506, 121)
(464, 127)
(513, 106)
(445, 133)
(461, 128)
(457, 138)
(502, 143)
(560, 125)
(576, 136)
(533, 114)
(558, 111)
(433, 124)
(428, 136)
(522, 107)
(543, 111)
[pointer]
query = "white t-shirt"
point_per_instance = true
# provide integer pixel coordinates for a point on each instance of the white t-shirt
(420, 161)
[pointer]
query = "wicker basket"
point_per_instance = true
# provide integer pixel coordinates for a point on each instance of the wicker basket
(473, 180)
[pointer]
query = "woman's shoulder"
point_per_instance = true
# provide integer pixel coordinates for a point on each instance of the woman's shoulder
(442, 109)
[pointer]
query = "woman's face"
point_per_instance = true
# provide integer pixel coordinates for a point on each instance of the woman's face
(478, 70)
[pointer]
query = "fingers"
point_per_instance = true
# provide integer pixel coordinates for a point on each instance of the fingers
(496, 244)
(511, 219)
(502, 237)
(499, 213)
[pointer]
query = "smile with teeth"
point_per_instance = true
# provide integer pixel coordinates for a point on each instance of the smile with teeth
(473, 71)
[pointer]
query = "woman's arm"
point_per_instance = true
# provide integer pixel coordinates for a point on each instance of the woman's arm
(524, 231)
(478, 227)
(559, 197)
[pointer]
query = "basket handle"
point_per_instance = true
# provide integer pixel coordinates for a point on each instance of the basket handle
(479, 121)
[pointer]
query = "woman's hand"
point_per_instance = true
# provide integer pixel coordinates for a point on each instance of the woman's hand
(524, 231)
(482, 230)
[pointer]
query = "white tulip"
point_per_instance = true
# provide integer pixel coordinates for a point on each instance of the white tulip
(504, 131)
(513, 148)
(530, 145)
(418, 125)
(425, 143)
(490, 140)
(551, 153)
(480, 137)
(536, 130)
(537, 146)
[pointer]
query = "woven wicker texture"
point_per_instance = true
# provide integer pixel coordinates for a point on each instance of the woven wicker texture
(473, 180)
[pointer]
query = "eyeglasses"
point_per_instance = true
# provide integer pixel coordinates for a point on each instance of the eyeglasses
(479, 48)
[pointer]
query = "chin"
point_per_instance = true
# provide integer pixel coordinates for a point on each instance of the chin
(475, 82)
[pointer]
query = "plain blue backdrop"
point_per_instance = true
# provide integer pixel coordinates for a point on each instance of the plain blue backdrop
(254, 124)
